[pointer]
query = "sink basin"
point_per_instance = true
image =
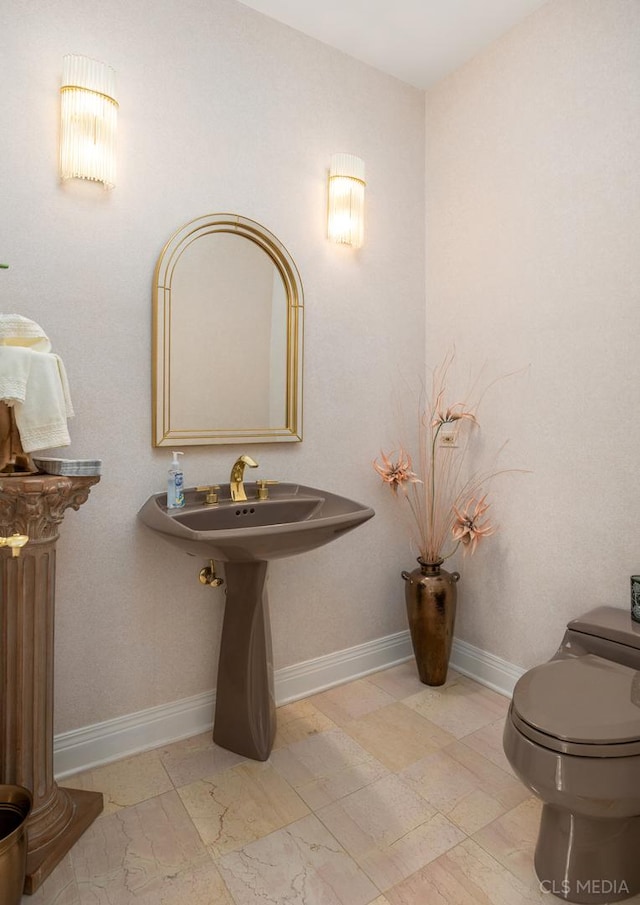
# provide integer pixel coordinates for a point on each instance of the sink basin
(293, 520)
(245, 536)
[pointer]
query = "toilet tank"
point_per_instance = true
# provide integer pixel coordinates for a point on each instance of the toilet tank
(605, 631)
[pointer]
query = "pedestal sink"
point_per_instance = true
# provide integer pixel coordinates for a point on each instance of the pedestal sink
(245, 536)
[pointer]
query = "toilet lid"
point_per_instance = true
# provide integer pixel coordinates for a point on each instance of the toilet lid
(585, 699)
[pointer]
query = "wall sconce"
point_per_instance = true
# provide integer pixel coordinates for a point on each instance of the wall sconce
(89, 113)
(346, 200)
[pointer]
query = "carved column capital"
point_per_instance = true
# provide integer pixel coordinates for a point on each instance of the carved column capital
(35, 504)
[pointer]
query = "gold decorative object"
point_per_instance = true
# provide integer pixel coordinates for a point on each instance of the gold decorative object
(34, 506)
(15, 542)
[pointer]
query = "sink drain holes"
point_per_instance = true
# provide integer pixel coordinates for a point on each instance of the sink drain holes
(248, 511)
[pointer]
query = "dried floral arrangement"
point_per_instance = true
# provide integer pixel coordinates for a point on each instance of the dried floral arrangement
(444, 504)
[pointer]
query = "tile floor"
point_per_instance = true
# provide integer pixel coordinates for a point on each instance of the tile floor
(380, 792)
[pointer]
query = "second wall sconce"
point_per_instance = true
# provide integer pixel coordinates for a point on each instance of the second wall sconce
(89, 114)
(346, 200)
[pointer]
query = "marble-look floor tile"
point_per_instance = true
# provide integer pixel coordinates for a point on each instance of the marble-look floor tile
(463, 785)
(59, 888)
(459, 708)
(198, 886)
(389, 830)
(488, 742)
(326, 766)
(511, 839)
(297, 721)
(196, 758)
(352, 701)
(241, 805)
(465, 875)
(191, 886)
(125, 782)
(397, 736)
(403, 680)
(301, 864)
(137, 854)
(239, 832)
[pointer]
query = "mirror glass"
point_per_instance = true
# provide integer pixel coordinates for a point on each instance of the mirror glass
(227, 311)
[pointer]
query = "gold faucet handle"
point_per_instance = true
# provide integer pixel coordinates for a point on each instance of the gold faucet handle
(263, 488)
(211, 491)
(15, 542)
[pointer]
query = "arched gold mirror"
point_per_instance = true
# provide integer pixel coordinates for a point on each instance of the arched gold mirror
(227, 336)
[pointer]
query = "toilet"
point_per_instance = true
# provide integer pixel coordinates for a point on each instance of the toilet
(572, 735)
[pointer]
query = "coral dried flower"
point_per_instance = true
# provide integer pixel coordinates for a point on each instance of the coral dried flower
(433, 496)
(398, 473)
(468, 528)
(455, 412)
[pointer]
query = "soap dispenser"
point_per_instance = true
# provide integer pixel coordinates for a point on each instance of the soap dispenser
(175, 484)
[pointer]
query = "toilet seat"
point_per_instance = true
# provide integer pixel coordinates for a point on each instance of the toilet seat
(587, 706)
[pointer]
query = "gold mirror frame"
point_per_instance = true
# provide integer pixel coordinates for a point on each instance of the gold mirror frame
(164, 434)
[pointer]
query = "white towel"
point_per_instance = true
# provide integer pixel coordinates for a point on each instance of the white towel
(15, 365)
(42, 417)
(16, 330)
(65, 387)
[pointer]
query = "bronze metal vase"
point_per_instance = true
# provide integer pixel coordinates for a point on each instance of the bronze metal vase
(15, 806)
(431, 594)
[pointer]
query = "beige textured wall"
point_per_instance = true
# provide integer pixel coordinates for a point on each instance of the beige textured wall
(221, 109)
(533, 251)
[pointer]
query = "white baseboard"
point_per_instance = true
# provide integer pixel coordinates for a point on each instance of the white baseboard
(313, 676)
(486, 668)
(81, 749)
(101, 743)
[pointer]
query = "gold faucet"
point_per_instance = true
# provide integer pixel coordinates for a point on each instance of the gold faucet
(263, 488)
(238, 494)
(211, 491)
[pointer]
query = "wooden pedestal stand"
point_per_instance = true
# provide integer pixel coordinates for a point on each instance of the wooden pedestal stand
(13, 459)
(35, 505)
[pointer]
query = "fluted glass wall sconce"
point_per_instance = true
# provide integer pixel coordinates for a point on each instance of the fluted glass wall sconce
(89, 114)
(346, 200)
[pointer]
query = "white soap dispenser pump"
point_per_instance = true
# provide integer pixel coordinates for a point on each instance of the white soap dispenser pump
(175, 484)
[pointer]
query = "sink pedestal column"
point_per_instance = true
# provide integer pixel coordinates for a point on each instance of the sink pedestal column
(35, 506)
(245, 720)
